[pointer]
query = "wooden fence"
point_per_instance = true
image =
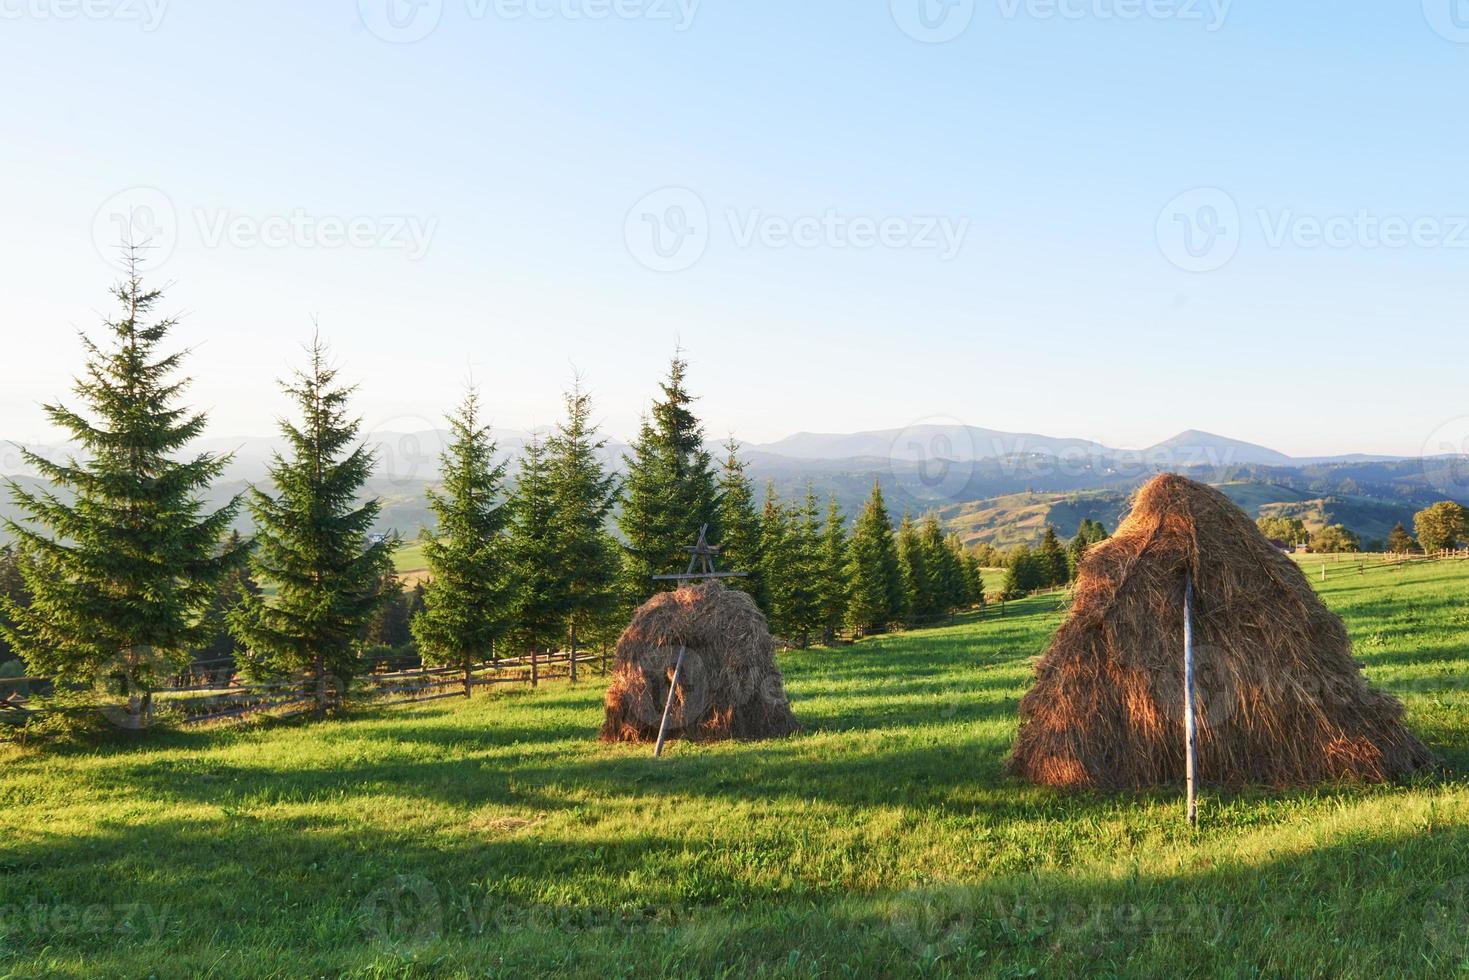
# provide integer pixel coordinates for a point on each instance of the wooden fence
(209, 693)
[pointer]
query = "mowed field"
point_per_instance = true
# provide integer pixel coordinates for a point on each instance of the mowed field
(497, 837)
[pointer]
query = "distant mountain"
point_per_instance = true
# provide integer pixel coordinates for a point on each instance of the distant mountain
(1195, 448)
(958, 471)
(963, 443)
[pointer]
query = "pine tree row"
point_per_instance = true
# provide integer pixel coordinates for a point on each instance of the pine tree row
(124, 579)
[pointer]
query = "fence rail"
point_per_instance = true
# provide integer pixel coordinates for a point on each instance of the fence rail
(199, 699)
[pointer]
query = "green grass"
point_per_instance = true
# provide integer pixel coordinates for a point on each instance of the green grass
(409, 558)
(496, 837)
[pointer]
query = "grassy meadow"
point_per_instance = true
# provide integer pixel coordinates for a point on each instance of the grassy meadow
(497, 837)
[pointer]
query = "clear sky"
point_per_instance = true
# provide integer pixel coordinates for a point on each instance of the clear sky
(1111, 219)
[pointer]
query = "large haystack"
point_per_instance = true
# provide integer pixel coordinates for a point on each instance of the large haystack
(729, 687)
(1280, 699)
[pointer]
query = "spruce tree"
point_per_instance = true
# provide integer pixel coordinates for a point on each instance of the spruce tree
(739, 526)
(12, 589)
(583, 494)
(119, 559)
(874, 573)
(1052, 558)
(312, 542)
(466, 604)
(835, 591)
(541, 587)
(668, 493)
(804, 579)
(945, 571)
(391, 623)
(777, 561)
(973, 578)
(221, 651)
(917, 584)
(1399, 541)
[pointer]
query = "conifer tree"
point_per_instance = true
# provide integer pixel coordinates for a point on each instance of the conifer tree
(973, 578)
(541, 587)
(739, 526)
(467, 602)
(12, 589)
(874, 573)
(312, 542)
(222, 648)
(668, 492)
(803, 593)
(1025, 572)
(583, 494)
(120, 561)
(835, 591)
(1399, 541)
(777, 557)
(391, 624)
(945, 572)
(917, 584)
(1052, 558)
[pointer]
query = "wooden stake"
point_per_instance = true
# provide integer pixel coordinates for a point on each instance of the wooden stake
(668, 705)
(1190, 734)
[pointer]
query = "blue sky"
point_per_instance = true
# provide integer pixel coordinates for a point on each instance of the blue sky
(878, 229)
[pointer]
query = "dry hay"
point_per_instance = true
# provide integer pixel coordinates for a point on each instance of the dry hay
(730, 686)
(1280, 701)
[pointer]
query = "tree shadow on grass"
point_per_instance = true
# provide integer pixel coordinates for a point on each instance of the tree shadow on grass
(250, 896)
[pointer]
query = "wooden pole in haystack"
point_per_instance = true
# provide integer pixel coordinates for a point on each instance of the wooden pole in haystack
(1190, 750)
(701, 552)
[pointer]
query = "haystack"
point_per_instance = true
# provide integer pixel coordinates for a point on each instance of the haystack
(1279, 699)
(729, 687)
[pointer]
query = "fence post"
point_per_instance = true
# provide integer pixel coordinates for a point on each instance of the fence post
(573, 653)
(535, 674)
(1190, 752)
(468, 680)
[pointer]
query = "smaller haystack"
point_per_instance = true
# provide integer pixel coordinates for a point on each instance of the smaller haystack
(729, 686)
(1280, 700)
